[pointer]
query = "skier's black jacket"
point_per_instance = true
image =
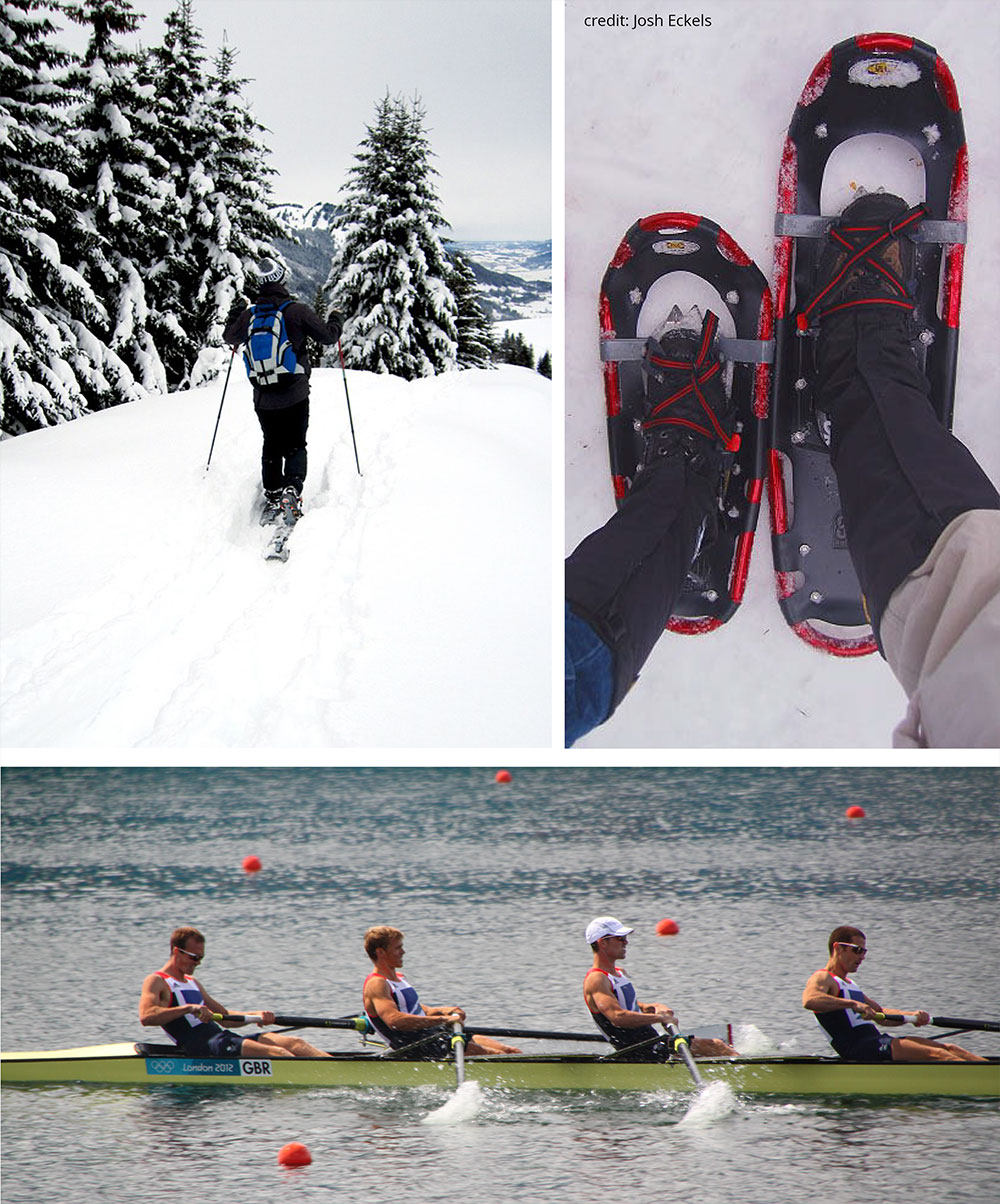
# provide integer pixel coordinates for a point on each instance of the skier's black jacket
(300, 322)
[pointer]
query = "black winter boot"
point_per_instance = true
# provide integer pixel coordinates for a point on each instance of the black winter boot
(901, 475)
(625, 577)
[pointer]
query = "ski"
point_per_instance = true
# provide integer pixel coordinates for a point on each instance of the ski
(671, 268)
(879, 112)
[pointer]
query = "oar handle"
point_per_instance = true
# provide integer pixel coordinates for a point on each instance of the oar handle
(984, 1026)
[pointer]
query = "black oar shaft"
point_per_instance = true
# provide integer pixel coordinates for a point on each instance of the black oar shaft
(983, 1026)
(537, 1034)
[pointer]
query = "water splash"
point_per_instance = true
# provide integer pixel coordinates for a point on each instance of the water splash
(463, 1105)
(710, 1104)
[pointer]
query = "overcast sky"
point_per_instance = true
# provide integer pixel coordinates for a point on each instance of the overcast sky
(482, 69)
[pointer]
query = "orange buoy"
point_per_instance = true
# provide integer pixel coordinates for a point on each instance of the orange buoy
(503, 775)
(668, 928)
(294, 1154)
(855, 812)
(251, 864)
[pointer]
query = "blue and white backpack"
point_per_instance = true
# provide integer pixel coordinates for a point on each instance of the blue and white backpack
(267, 353)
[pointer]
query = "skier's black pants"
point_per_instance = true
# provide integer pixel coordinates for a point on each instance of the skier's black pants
(902, 476)
(624, 579)
(283, 460)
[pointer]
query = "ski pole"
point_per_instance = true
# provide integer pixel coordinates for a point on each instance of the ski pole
(219, 415)
(350, 416)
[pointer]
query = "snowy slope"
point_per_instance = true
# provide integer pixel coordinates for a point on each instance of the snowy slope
(694, 118)
(413, 611)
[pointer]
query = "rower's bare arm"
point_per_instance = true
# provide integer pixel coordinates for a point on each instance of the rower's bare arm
(155, 1007)
(446, 1013)
(378, 999)
(821, 994)
(600, 997)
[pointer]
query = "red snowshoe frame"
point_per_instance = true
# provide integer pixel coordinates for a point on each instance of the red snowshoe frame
(652, 248)
(817, 586)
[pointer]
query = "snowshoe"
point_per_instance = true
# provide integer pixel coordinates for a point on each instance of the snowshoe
(291, 505)
(674, 271)
(880, 114)
(271, 510)
(290, 511)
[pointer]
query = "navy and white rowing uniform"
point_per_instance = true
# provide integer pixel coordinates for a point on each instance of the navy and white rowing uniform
(624, 991)
(199, 1037)
(405, 997)
(850, 1036)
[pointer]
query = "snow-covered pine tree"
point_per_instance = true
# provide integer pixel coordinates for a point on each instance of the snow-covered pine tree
(476, 344)
(179, 287)
(52, 366)
(122, 183)
(243, 228)
(392, 278)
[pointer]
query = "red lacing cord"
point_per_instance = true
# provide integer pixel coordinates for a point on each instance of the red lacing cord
(730, 442)
(890, 230)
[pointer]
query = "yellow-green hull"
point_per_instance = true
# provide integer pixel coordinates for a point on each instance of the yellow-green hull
(757, 1076)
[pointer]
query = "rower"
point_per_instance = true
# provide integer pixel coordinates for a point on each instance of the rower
(610, 998)
(846, 1012)
(176, 1002)
(393, 1007)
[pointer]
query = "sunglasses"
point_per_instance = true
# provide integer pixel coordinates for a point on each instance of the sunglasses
(195, 957)
(860, 950)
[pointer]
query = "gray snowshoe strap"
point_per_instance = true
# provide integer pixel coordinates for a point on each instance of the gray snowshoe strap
(805, 225)
(746, 351)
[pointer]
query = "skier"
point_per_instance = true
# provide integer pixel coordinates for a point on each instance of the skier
(283, 407)
(922, 518)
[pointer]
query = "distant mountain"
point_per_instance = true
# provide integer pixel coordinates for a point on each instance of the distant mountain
(514, 278)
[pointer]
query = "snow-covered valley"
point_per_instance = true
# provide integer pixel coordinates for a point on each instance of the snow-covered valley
(415, 608)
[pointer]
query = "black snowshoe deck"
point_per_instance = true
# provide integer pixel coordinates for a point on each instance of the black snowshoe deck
(635, 302)
(876, 84)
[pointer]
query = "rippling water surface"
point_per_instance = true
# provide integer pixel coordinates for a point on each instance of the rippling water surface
(493, 885)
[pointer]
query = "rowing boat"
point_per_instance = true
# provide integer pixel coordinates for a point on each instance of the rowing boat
(145, 1064)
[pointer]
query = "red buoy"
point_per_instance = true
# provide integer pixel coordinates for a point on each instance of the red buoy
(503, 775)
(855, 812)
(294, 1154)
(251, 864)
(668, 928)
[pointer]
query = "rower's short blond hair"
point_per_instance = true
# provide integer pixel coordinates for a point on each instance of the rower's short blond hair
(379, 937)
(180, 936)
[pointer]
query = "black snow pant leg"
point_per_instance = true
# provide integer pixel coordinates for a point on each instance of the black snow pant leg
(625, 577)
(902, 476)
(283, 459)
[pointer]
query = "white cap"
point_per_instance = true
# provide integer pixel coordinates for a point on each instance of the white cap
(605, 926)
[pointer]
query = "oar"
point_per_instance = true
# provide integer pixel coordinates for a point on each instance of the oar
(358, 1023)
(680, 1043)
(535, 1034)
(458, 1048)
(966, 1026)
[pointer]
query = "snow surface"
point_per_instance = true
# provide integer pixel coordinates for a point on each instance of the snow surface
(694, 119)
(414, 609)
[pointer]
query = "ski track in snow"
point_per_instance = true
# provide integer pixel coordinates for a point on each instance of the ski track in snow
(139, 611)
